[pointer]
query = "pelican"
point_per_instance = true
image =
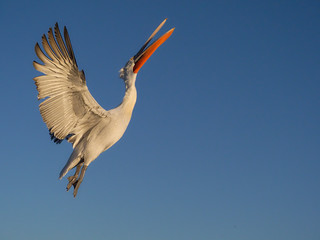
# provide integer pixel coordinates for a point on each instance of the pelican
(69, 110)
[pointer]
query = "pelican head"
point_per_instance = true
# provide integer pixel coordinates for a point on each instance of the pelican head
(133, 66)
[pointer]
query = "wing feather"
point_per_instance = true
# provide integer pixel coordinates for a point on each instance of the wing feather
(61, 43)
(68, 109)
(69, 46)
(54, 45)
(48, 49)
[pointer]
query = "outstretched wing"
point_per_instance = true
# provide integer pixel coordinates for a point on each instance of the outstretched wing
(69, 110)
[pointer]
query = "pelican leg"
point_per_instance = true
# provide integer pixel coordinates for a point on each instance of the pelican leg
(73, 179)
(79, 181)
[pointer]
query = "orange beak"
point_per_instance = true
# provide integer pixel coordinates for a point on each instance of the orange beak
(143, 55)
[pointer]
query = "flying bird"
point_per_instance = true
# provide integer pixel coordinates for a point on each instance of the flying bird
(69, 110)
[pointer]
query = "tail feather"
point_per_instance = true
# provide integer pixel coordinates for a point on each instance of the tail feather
(74, 159)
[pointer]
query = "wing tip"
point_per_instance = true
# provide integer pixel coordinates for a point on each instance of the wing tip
(54, 138)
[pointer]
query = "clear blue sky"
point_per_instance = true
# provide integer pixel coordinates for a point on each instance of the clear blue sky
(224, 140)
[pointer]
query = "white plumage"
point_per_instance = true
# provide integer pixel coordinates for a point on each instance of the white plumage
(69, 110)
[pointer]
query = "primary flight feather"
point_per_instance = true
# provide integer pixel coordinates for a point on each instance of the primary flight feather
(69, 110)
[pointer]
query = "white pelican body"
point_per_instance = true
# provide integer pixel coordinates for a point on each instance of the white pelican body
(69, 110)
(106, 131)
